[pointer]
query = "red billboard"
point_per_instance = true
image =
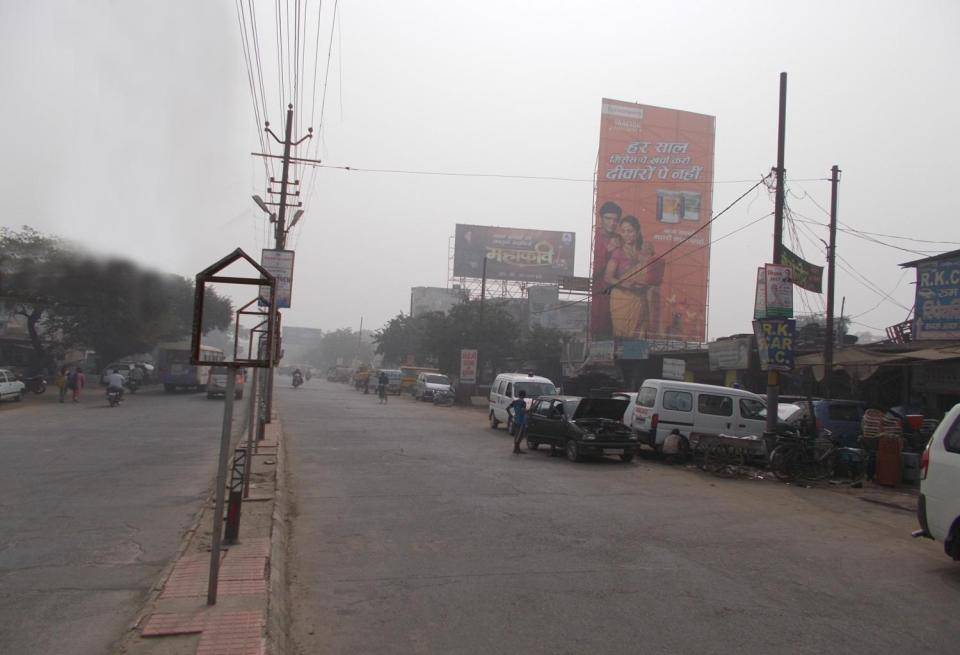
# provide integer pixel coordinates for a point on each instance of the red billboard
(513, 253)
(654, 190)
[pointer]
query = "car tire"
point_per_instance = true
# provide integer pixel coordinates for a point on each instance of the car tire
(573, 451)
(494, 423)
(18, 397)
(627, 457)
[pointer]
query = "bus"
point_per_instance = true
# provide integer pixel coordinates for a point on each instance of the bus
(175, 370)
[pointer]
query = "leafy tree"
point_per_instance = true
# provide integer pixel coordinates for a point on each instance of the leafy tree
(70, 299)
(344, 345)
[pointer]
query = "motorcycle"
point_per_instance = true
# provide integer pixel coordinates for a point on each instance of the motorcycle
(114, 396)
(35, 383)
(133, 385)
(297, 381)
(443, 397)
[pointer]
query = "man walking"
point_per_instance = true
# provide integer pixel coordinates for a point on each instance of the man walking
(75, 382)
(517, 410)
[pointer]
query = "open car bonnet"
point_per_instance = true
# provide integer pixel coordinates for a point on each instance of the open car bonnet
(609, 408)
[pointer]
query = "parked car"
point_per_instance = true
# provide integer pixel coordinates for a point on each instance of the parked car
(508, 386)
(841, 417)
(217, 382)
(938, 508)
(10, 387)
(429, 383)
(581, 426)
(665, 405)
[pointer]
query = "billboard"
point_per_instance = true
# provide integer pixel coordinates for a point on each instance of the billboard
(654, 190)
(280, 264)
(513, 253)
(468, 366)
(729, 354)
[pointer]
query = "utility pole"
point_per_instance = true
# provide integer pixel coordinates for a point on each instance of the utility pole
(280, 238)
(483, 295)
(773, 377)
(829, 337)
(359, 338)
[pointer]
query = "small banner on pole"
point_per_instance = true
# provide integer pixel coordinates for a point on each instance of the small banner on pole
(775, 339)
(805, 275)
(778, 282)
(760, 300)
(280, 265)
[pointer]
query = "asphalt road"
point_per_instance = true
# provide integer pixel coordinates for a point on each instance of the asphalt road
(93, 503)
(415, 530)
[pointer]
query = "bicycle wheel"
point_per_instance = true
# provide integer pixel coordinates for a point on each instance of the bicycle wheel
(784, 462)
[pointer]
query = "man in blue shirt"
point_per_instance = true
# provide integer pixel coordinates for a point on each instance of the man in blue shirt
(517, 410)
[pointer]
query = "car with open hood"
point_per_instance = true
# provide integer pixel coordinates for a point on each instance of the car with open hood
(581, 426)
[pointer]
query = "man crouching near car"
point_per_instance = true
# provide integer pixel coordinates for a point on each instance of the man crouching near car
(517, 410)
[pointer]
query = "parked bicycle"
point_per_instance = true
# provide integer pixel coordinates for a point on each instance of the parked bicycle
(796, 456)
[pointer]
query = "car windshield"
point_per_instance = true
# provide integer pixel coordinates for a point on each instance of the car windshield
(534, 389)
(437, 379)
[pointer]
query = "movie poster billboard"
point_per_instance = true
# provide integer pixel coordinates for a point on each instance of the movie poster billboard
(654, 190)
(513, 253)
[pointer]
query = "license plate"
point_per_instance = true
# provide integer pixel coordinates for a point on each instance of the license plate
(613, 451)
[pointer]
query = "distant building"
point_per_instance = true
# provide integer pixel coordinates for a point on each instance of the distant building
(424, 300)
(297, 342)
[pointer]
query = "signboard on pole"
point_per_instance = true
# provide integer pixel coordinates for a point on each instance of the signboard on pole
(280, 265)
(602, 351)
(805, 275)
(468, 366)
(760, 299)
(775, 339)
(674, 369)
(654, 194)
(778, 285)
(729, 354)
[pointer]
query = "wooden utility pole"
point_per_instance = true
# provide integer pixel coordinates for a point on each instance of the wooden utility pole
(829, 337)
(483, 295)
(773, 377)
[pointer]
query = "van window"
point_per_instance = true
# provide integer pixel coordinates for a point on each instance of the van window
(752, 409)
(952, 440)
(647, 397)
(509, 391)
(678, 401)
(708, 403)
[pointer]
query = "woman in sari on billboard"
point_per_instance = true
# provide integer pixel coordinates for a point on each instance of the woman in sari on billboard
(629, 296)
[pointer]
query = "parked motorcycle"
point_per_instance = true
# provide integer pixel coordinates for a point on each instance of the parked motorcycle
(443, 397)
(114, 396)
(35, 383)
(133, 385)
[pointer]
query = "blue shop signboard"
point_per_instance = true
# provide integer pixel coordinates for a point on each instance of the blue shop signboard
(775, 339)
(938, 300)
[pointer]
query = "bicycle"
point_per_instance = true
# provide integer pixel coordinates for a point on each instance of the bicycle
(812, 458)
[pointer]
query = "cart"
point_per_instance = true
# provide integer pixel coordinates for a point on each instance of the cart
(728, 455)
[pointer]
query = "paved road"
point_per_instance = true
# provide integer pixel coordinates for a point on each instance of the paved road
(93, 502)
(416, 531)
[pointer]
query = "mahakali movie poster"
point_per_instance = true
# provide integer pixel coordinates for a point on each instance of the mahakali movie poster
(654, 189)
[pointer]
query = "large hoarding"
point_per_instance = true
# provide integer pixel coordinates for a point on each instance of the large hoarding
(513, 253)
(654, 190)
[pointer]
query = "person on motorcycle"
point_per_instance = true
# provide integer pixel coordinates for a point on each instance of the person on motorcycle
(136, 378)
(382, 382)
(115, 383)
(297, 378)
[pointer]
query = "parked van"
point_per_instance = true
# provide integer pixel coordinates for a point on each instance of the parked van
(505, 389)
(665, 405)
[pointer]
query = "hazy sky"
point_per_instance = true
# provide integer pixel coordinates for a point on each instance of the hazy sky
(128, 127)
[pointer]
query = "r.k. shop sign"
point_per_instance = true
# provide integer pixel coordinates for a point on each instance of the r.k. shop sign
(775, 340)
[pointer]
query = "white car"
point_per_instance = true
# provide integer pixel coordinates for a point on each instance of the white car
(429, 383)
(507, 387)
(10, 387)
(938, 509)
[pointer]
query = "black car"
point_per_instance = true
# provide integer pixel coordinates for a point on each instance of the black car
(581, 426)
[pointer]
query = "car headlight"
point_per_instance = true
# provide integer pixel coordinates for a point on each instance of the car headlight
(633, 437)
(589, 436)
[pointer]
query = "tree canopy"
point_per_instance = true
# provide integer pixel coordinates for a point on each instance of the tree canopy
(71, 299)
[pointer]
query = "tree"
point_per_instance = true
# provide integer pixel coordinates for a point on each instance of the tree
(341, 346)
(72, 300)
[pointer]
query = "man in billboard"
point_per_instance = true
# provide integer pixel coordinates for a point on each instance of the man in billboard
(607, 239)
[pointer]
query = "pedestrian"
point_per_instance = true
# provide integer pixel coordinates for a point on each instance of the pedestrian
(382, 382)
(61, 382)
(517, 410)
(76, 382)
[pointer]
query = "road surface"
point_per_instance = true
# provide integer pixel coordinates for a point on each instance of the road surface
(93, 503)
(415, 530)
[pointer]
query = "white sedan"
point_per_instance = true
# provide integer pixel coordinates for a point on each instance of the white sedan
(10, 387)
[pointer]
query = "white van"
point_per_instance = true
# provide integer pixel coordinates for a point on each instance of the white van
(938, 508)
(665, 405)
(505, 388)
